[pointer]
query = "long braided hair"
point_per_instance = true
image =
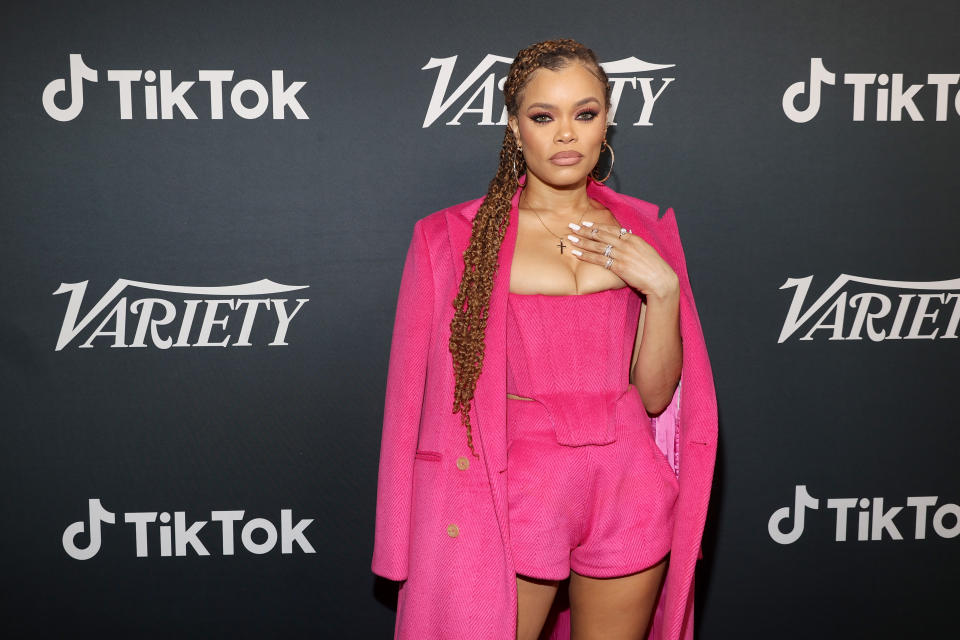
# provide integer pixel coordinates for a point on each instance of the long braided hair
(472, 303)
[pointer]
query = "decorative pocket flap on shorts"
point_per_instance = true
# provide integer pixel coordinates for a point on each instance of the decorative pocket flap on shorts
(582, 418)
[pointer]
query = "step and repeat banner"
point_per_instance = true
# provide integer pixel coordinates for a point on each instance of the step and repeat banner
(205, 211)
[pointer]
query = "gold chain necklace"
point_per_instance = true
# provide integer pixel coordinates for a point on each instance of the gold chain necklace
(561, 245)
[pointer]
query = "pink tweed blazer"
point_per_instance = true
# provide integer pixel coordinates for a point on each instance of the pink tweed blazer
(442, 525)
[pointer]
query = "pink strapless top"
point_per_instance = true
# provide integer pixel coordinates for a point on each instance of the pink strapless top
(572, 353)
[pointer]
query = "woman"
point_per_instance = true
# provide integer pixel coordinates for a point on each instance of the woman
(571, 331)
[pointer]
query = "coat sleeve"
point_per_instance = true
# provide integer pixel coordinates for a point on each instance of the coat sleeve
(668, 424)
(668, 227)
(406, 376)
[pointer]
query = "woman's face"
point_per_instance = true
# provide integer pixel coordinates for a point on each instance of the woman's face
(561, 123)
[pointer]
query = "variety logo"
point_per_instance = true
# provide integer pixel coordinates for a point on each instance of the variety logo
(924, 311)
(176, 538)
(886, 93)
(237, 304)
(872, 519)
(476, 94)
(174, 97)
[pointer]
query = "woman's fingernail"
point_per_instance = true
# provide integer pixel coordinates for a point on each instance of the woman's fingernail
(587, 223)
(573, 238)
(574, 226)
(576, 252)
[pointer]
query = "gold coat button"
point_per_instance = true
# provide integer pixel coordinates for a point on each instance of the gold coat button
(453, 531)
(463, 463)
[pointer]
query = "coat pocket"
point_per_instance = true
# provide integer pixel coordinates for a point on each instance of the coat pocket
(423, 454)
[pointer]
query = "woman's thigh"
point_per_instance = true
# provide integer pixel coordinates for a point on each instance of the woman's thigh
(534, 598)
(614, 608)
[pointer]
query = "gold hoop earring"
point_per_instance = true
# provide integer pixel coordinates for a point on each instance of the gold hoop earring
(612, 159)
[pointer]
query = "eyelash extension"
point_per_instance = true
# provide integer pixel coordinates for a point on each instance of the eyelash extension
(593, 114)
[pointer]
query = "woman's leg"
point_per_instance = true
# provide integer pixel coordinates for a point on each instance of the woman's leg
(534, 598)
(614, 608)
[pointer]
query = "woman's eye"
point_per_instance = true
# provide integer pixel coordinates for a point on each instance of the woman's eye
(545, 117)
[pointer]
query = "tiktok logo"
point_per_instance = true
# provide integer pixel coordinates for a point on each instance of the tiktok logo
(97, 515)
(818, 75)
(163, 97)
(888, 93)
(158, 534)
(875, 521)
(78, 73)
(802, 502)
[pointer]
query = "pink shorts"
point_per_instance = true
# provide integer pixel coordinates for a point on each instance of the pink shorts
(603, 510)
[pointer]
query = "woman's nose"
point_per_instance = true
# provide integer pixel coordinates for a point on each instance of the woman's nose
(565, 134)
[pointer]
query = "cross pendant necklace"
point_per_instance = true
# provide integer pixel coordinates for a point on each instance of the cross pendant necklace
(561, 245)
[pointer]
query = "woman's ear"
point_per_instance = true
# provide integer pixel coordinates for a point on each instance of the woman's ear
(514, 124)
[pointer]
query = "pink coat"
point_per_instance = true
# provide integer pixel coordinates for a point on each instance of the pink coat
(441, 515)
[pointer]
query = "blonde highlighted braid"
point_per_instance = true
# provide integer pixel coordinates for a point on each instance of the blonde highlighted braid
(472, 303)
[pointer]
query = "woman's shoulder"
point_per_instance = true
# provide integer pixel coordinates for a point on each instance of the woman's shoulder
(647, 210)
(460, 213)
